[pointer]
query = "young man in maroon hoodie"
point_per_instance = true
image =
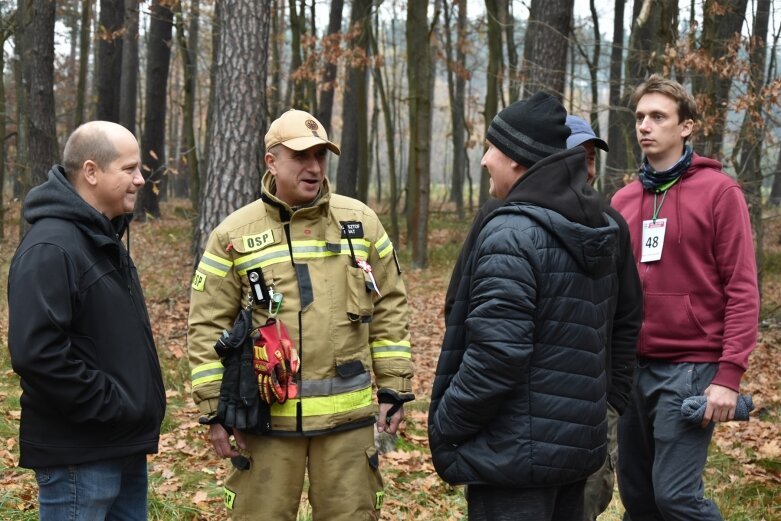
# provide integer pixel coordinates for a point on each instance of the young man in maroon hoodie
(691, 238)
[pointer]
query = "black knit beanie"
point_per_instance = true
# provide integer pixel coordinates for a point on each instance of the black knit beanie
(530, 129)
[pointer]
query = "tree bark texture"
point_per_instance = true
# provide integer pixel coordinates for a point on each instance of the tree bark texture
(153, 164)
(84, 45)
(616, 128)
(545, 47)
(330, 50)
(492, 81)
(456, 87)
(653, 28)
(238, 117)
(39, 78)
(128, 98)
(109, 69)
(419, 174)
(188, 46)
(752, 132)
(722, 21)
(352, 173)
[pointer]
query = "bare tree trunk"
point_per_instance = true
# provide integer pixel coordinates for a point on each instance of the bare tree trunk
(36, 140)
(456, 83)
(653, 28)
(722, 22)
(188, 163)
(545, 47)
(153, 140)
(616, 129)
(352, 171)
(6, 30)
(419, 80)
(752, 132)
(84, 44)
(513, 74)
(296, 30)
(277, 36)
(390, 141)
(109, 69)
(330, 52)
(128, 98)
(492, 80)
(238, 115)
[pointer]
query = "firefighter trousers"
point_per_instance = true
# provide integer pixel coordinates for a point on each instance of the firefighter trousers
(343, 470)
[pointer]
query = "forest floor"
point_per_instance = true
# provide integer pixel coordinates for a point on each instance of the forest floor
(743, 474)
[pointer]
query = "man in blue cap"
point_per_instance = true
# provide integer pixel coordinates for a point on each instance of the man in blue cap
(626, 323)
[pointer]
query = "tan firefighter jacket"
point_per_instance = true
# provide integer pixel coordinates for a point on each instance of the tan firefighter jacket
(342, 332)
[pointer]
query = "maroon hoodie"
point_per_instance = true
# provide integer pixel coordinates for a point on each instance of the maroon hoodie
(700, 301)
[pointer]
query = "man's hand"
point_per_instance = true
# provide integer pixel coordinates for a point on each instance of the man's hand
(221, 441)
(721, 404)
(389, 425)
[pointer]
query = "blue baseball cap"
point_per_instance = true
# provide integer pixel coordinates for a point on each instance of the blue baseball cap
(582, 132)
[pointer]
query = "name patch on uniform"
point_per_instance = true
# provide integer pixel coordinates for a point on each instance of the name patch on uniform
(199, 281)
(352, 229)
(257, 241)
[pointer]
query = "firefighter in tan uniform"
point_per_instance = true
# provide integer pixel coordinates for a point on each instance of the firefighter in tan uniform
(321, 265)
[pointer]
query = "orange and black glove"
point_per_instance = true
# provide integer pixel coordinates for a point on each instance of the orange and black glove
(276, 363)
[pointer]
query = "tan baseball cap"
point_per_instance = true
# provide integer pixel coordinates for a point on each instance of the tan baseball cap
(298, 130)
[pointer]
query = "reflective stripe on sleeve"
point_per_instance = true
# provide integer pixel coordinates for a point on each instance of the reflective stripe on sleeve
(388, 349)
(215, 265)
(384, 245)
(205, 373)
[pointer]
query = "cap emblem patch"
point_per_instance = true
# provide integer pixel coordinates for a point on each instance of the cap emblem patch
(311, 124)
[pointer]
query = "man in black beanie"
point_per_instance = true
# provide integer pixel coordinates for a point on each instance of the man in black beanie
(518, 407)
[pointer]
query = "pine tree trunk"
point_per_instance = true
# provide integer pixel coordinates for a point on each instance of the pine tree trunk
(330, 49)
(236, 147)
(153, 140)
(352, 171)
(128, 99)
(545, 47)
(419, 75)
(84, 45)
(109, 68)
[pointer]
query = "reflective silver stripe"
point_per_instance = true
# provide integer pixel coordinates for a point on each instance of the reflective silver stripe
(394, 348)
(332, 386)
(261, 260)
(214, 264)
(383, 245)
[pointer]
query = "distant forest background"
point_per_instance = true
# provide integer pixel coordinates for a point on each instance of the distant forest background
(405, 88)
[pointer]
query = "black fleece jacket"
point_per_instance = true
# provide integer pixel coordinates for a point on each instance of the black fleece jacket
(79, 336)
(519, 396)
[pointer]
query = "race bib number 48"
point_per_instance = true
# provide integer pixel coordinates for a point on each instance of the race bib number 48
(653, 239)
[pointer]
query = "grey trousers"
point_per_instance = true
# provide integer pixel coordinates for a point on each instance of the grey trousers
(661, 456)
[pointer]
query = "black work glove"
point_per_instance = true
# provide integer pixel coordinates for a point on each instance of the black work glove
(239, 403)
(385, 395)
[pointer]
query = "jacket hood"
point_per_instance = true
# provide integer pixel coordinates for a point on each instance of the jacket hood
(699, 162)
(558, 183)
(56, 197)
(554, 193)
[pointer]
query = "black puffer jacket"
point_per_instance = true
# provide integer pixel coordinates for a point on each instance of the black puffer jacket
(519, 397)
(79, 336)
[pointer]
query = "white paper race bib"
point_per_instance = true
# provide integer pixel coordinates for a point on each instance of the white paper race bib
(653, 239)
